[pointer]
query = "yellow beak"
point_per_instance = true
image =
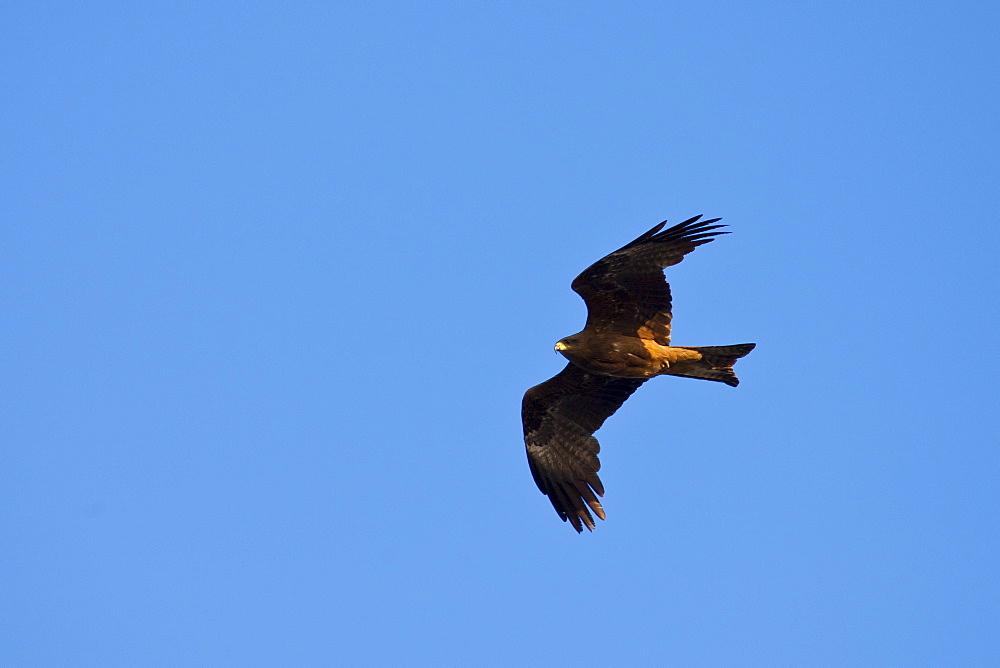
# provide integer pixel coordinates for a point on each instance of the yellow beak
(561, 346)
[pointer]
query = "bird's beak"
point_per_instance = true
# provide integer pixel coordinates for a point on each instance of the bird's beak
(561, 346)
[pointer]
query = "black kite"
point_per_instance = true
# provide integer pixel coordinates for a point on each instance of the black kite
(626, 342)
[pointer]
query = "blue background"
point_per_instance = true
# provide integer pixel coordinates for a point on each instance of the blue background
(276, 275)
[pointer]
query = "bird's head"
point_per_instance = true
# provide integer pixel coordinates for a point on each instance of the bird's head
(562, 345)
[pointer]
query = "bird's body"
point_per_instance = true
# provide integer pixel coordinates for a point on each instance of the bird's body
(626, 341)
(628, 356)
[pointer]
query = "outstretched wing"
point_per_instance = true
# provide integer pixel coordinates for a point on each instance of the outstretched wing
(626, 292)
(559, 418)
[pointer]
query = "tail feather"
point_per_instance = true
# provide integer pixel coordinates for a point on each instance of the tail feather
(716, 363)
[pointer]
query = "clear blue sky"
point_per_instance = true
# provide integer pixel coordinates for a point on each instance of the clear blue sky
(276, 275)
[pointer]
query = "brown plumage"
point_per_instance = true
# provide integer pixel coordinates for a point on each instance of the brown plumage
(626, 341)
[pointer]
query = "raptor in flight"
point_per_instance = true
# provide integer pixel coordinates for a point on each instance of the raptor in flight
(625, 343)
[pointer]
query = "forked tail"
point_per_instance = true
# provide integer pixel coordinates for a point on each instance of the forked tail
(716, 363)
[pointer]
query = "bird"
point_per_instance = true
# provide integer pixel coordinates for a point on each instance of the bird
(625, 342)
